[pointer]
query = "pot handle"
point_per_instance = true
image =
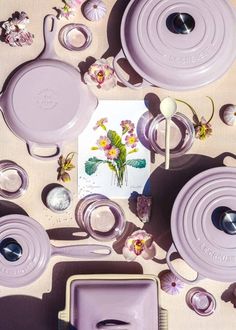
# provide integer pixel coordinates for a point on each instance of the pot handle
(90, 251)
(49, 33)
(172, 250)
(31, 149)
(116, 66)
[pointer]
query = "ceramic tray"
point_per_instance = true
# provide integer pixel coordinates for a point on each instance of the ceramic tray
(94, 298)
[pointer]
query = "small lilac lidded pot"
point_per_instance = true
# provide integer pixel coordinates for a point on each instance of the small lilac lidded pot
(13, 180)
(201, 301)
(100, 217)
(75, 36)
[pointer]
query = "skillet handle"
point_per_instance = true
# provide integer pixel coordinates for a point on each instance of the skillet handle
(49, 33)
(89, 251)
(172, 250)
(116, 66)
(31, 149)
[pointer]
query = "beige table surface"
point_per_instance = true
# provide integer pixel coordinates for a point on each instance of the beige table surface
(36, 306)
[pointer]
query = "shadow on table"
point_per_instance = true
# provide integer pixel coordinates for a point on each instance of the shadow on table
(164, 186)
(25, 312)
(7, 208)
(114, 40)
(113, 28)
(67, 234)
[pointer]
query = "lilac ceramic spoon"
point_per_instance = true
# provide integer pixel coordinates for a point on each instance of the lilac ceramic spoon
(168, 108)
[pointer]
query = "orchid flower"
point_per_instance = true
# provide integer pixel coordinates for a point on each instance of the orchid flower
(139, 243)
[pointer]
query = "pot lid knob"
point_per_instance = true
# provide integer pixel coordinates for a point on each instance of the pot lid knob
(180, 23)
(228, 222)
(10, 249)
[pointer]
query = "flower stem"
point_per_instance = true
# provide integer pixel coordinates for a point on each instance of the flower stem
(195, 116)
(213, 109)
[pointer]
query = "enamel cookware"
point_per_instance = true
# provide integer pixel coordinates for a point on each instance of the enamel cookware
(196, 226)
(178, 45)
(26, 250)
(45, 102)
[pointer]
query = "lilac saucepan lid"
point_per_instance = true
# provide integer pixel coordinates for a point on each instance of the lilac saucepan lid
(36, 250)
(172, 60)
(45, 102)
(197, 235)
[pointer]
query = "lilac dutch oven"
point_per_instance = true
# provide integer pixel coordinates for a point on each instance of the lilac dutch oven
(196, 226)
(177, 45)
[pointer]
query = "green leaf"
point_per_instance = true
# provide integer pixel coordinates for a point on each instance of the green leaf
(122, 154)
(114, 138)
(92, 164)
(117, 142)
(132, 151)
(137, 163)
(94, 148)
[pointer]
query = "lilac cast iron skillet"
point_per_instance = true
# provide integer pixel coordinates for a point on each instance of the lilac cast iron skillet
(36, 250)
(45, 102)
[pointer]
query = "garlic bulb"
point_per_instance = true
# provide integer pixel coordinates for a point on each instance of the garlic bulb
(229, 115)
(94, 10)
(170, 283)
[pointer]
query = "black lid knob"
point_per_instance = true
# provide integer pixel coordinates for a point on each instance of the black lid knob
(180, 23)
(228, 222)
(10, 249)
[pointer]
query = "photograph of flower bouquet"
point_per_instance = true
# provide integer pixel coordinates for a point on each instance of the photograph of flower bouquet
(113, 150)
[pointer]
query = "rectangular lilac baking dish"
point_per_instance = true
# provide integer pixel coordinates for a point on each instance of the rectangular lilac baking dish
(117, 302)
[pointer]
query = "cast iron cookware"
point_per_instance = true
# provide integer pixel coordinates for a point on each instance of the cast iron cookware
(178, 45)
(45, 102)
(25, 250)
(198, 236)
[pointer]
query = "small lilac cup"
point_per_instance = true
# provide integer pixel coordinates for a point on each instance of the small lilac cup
(100, 217)
(13, 180)
(201, 301)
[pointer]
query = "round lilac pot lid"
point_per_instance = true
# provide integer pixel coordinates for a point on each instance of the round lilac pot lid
(196, 228)
(174, 60)
(36, 250)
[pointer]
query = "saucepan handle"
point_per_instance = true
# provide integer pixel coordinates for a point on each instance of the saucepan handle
(183, 279)
(89, 251)
(31, 146)
(49, 33)
(118, 72)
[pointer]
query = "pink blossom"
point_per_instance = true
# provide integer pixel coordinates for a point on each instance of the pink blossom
(140, 243)
(127, 126)
(16, 33)
(100, 123)
(112, 153)
(19, 38)
(131, 140)
(103, 143)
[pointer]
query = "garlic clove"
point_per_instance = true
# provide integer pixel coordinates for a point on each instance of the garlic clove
(229, 115)
(94, 10)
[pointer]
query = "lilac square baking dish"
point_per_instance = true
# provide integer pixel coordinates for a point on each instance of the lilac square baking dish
(93, 300)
